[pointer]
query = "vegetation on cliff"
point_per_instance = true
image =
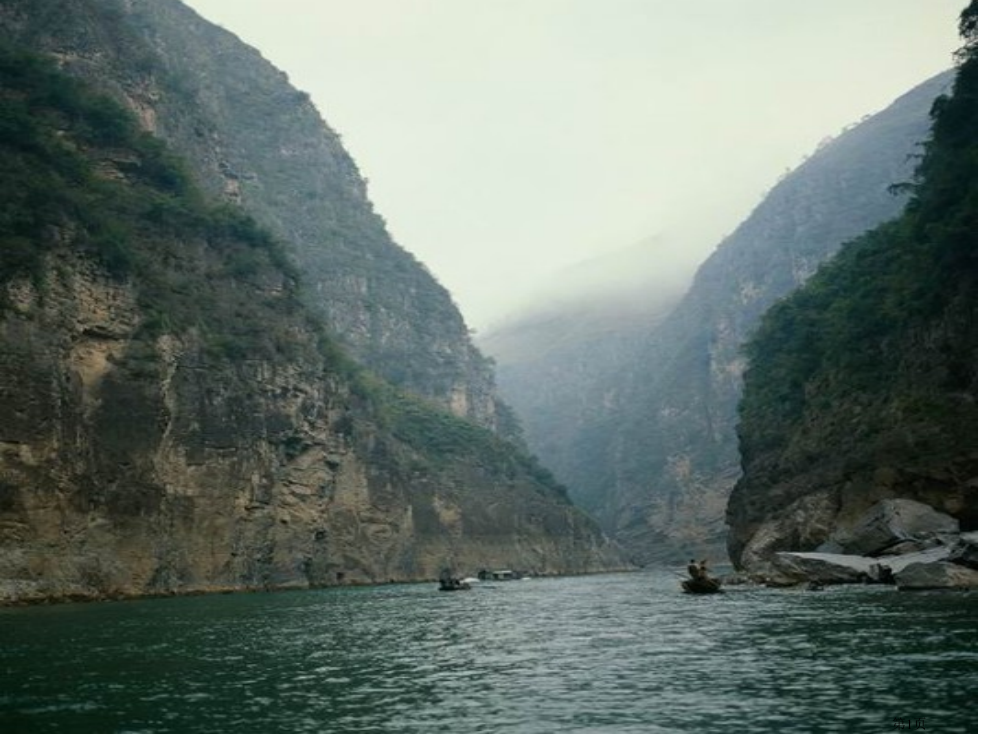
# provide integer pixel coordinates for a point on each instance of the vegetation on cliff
(249, 138)
(76, 162)
(173, 415)
(647, 441)
(868, 374)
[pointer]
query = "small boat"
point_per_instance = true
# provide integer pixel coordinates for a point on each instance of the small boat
(450, 582)
(453, 584)
(701, 585)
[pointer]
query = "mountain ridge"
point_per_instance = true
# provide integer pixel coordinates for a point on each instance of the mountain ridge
(174, 415)
(256, 141)
(654, 455)
(862, 385)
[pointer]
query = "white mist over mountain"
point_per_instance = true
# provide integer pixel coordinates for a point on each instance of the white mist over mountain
(505, 141)
(638, 282)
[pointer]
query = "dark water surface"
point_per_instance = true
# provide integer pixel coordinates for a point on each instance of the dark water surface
(616, 653)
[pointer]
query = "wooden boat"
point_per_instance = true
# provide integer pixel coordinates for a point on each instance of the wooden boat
(701, 585)
(453, 584)
(450, 582)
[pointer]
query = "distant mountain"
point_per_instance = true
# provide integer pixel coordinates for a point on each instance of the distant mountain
(650, 449)
(559, 360)
(863, 384)
(181, 408)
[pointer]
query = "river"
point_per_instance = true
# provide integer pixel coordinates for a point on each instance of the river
(623, 653)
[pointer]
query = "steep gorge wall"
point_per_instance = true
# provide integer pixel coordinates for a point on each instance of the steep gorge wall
(559, 360)
(140, 467)
(257, 141)
(863, 385)
(668, 456)
(174, 419)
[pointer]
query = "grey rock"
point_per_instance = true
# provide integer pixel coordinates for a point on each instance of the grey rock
(801, 527)
(823, 568)
(897, 525)
(792, 568)
(936, 575)
(965, 551)
(904, 548)
(898, 563)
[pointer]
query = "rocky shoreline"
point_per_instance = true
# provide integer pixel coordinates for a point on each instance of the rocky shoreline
(898, 542)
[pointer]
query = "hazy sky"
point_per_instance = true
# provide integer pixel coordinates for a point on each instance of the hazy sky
(505, 139)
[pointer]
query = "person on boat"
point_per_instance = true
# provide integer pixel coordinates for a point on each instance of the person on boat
(703, 568)
(693, 570)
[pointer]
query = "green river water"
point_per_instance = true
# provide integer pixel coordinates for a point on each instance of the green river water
(614, 653)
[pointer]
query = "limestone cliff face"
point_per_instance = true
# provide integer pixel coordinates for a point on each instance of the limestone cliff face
(173, 417)
(666, 456)
(130, 467)
(257, 141)
(863, 384)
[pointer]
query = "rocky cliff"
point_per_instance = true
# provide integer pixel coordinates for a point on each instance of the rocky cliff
(173, 416)
(559, 360)
(252, 138)
(660, 452)
(863, 385)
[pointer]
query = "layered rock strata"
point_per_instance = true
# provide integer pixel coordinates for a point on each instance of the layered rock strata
(174, 418)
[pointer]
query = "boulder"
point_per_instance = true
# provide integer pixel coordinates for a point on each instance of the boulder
(823, 567)
(965, 552)
(903, 548)
(936, 575)
(897, 563)
(899, 524)
(791, 568)
(802, 526)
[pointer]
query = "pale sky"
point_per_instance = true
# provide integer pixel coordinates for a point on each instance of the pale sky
(506, 139)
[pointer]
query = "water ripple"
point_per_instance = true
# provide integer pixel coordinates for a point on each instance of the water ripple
(622, 654)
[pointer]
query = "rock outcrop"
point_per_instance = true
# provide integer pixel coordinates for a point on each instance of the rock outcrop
(820, 567)
(896, 525)
(863, 384)
(253, 139)
(131, 466)
(656, 457)
(942, 566)
(936, 575)
(173, 416)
